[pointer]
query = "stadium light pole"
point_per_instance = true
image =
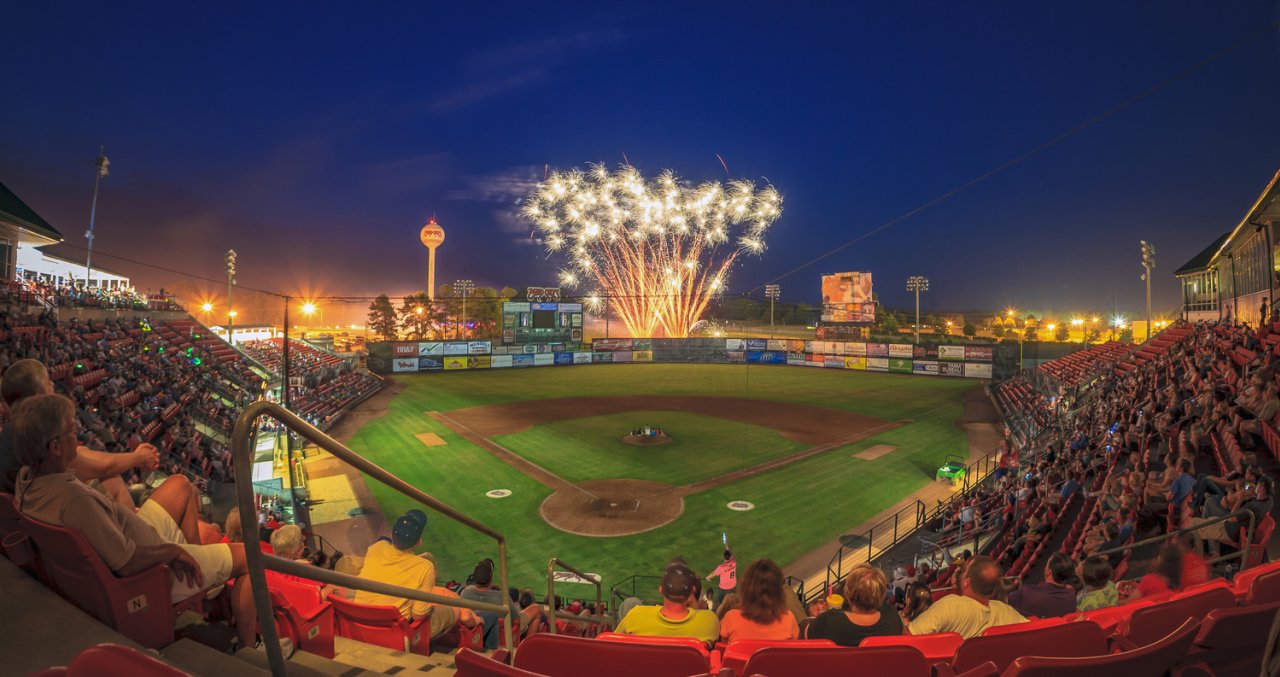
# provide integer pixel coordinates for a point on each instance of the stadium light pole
(917, 284)
(231, 281)
(1148, 265)
(464, 287)
(103, 164)
(774, 292)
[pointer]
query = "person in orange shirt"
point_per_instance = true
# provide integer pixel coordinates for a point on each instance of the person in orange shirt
(763, 612)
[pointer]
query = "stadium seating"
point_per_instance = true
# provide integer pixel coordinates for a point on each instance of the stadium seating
(473, 664)
(739, 652)
(381, 626)
(113, 660)
(1064, 640)
(309, 628)
(1153, 660)
(1231, 641)
(1259, 585)
(784, 660)
(1148, 624)
(713, 658)
(938, 648)
(565, 656)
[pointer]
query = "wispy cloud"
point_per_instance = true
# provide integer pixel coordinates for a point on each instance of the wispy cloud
(505, 186)
(474, 93)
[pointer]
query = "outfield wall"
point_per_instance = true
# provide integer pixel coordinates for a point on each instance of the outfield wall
(985, 361)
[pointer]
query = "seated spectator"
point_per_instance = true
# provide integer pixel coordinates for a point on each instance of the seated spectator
(1099, 591)
(763, 613)
(972, 611)
(394, 562)
(675, 617)
(482, 590)
(1110, 535)
(128, 542)
(919, 599)
(730, 602)
(869, 613)
(1167, 576)
(1195, 569)
(1053, 597)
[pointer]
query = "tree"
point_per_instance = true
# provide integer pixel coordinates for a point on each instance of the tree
(420, 317)
(1030, 334)
(382, 318)
(1126, 335)
(970, 330)
(997, 331)
(1092, 335)
(1062, 333)
(889, 324)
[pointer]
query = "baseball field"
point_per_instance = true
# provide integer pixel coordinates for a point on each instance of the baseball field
(810, 453)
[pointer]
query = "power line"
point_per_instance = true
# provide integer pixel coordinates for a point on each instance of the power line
(1183, 74)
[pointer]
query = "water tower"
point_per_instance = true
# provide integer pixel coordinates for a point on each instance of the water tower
(432, 236)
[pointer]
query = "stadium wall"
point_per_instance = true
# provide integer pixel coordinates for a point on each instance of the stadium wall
(985, 361)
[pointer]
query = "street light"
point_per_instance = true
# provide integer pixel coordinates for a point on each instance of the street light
(774, 292)
(917, 284)
(208, 307)
(465, 287)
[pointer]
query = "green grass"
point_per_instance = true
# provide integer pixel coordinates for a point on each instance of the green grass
(798, 507)
(701, 447)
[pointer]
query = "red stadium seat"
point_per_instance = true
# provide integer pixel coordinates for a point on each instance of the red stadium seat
(1149, 624)
(1064, 640)
(1109, 618)
(786, 661)
(1023, 627)
(381, 626)
(565, 656)
(1265, 589)
(113, 660)
(311, 632)
(14, 542)
(739, 652)
(1152, 660)
(473, 664)
(1244, 580)
(937, 648)
(138, 606)
(713, 657)
(1232, 641)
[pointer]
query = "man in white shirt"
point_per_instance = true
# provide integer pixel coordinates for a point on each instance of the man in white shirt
(972, 611)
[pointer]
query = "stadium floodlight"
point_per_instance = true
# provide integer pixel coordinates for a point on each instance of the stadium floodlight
(917, 284)
(1148, 265)
(773, 292)
(103, 164)
(231, 281)
(463, 287)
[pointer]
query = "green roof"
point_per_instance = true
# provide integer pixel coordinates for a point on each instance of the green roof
(12, 208)
(1201, 261)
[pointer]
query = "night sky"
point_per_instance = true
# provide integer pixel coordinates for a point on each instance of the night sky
(317, 142)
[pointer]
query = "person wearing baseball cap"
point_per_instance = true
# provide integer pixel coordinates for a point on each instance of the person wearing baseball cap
(394, 561)
(675, 617)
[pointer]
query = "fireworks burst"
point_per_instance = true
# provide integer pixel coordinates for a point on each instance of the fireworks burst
(653, 249)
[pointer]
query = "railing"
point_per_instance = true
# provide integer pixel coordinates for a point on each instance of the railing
(555, 613)
(1242, 555)
(242, 456)
(627, 588)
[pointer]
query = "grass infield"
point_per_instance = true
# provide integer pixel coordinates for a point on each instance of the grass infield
(798, 507)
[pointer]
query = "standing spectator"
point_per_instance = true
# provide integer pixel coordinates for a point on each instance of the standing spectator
(869, 613)
(676, 617)
(763, 614)
(972, 611)
(1053, 597)
(728, 575)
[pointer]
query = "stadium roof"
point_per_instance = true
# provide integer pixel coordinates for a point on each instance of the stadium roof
(1266, 208)
(12, 208)
(1201, 261)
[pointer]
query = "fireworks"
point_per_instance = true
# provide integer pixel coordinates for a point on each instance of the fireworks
(657, 252)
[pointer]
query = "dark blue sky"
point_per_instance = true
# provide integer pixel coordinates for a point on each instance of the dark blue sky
(316, 142)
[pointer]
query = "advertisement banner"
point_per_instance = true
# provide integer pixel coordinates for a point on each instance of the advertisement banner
(796, 345)
(597, 358)
(899, 365)
(833, 362)
(950, 369)
(735, 355)
(838, 348)
(778, 345)
(813, 346)
(479, 362)
(642, 344)
(433, 349)
(544, 359)
(430, 363)
(977, 353)
(977, 370)
(401, 364)
(927, 367)
(500, 362)
(404, 350)
(563, 358)
(582, 358)
(900, 350)
(642, 356)
(766, 357)
(811, 360)
(610, 345)
(951, 352)
(455, 363)
(796, 359)
(622, 356)
(515, 307)
(855, 349)
(455, 349)
(845, 297)
(522, 360)
(570, 307)
(877, 364)
(479, 347)
(757, 344)
(859, 363)
(878, 350)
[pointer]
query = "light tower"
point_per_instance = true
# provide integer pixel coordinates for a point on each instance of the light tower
(432, 236)
(464, 287)
(917, 284)
(1148, 265)
(774, 292)
(103, 165)
(231, 281)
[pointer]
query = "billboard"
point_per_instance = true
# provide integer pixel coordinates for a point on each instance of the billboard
(855, 348)
(479, 362)
(778, 345)
(877, 364)
(455, 349)
(563, 358)
(951, 353)
(500, 362)
(522, 360)
(833, 362)
(622, 356)
(877, 350)
(900, 350)
(927, 367)
(430, 363)
(582, 358)
(479, 348)
(977, 353)
(977, 370)
(597, 358)
(544, 359)
(642, 356)
(795, 359)
(610, 345)
(400, 364)
(859, 363)
(404, 350)
(950, 369)
(899, 365)
(434, 349)
(846, 297)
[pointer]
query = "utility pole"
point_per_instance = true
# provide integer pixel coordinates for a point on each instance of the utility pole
(231, 281)
(774, 292)
(1148, 265)
(103, 163)
(463, 287)
(917, 284)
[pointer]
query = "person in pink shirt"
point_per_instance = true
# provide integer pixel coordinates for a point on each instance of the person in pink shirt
(763, 613)
(728, 573)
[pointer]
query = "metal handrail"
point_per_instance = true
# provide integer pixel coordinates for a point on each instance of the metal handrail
(1243, 555)
(551, 595)
(258, 561)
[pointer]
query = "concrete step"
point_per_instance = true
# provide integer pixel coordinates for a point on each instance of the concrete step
(204, 661)
(386, 661)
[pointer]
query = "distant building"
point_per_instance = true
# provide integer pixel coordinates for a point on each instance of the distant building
(36, 264)
(20, 225)
(1236, 271)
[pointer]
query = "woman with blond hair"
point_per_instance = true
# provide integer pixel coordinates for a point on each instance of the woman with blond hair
(866, 614)
(762, 612)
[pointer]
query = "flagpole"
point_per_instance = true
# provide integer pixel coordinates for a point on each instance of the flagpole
(102, 163)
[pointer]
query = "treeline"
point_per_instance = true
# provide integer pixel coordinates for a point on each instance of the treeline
(477, 314)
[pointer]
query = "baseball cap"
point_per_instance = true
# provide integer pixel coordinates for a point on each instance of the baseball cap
(408, 529)
(678, 582)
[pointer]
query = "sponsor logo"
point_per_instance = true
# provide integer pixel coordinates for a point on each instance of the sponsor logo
(404, 349)
(542, 293)
(404, 364)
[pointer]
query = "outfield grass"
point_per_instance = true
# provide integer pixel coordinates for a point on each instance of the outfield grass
(798, 507)
(701, 447)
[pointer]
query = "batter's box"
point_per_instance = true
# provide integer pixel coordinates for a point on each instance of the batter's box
(609, 507)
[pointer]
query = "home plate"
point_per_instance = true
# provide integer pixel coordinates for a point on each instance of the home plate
(430, 439)
(875, 452)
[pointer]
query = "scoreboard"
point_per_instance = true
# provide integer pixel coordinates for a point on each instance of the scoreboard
(542, 319)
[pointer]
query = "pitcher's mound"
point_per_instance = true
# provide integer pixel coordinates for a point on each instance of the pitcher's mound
(430, 439)
(646, 440)
(612, 507)
(872, 453)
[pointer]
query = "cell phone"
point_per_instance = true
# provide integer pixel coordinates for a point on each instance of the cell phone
(1248, 487)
